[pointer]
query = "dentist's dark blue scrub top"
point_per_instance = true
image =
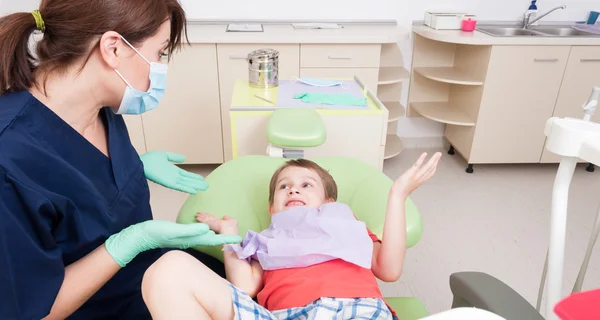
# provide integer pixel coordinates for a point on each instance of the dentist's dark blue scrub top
(61, 198)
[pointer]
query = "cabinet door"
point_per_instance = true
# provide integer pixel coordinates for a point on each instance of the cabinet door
(188, 120)
(519, 95)
(581, 75)
(136, 132)
(369, 76)
(233, 65)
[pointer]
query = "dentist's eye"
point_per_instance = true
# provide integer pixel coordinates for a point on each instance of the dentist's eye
(163, 55)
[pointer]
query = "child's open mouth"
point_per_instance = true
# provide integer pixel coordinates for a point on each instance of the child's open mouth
(295, 203)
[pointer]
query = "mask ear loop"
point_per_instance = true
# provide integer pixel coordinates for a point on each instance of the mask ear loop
(127, 82)
(134, 49)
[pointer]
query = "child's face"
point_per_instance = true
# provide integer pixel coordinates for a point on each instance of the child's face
(297, 187)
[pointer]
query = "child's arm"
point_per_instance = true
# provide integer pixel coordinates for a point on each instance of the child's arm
(388, 257)
(246, 276)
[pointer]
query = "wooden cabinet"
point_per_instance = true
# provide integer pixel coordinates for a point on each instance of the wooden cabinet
(188, 120)
(233, 65)
(521, 88)
(496, 99)
(581, 75)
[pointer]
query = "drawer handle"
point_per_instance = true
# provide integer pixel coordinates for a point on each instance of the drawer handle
(546, 60)
(239, 57)
(589, 60)
(340, 57)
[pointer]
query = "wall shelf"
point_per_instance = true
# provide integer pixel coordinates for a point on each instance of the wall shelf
(396, 110)
(449, 75)
(442, 112)
(393, 146)
(390, 75)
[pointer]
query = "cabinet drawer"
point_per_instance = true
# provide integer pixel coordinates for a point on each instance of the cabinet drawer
(340, 55)
(369, 76)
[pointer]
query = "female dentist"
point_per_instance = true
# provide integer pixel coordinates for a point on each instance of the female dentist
(76, 229)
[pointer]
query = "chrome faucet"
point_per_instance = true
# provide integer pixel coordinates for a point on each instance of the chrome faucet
(527, 23)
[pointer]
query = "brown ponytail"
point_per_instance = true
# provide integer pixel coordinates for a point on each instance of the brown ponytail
(16, 67)
(72, 31)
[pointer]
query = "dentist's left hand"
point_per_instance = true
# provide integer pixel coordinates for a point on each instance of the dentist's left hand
(158, 167)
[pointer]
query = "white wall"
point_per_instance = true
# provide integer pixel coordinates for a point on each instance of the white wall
(404, 11)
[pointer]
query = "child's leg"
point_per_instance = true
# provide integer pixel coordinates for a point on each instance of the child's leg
(178, 286)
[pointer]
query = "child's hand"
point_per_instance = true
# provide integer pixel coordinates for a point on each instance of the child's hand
(416, 175)
(227, 225)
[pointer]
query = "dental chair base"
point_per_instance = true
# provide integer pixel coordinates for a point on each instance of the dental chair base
(482, 291)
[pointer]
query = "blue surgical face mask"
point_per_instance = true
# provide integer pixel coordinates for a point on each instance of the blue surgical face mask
(319, 82)
(137, 102)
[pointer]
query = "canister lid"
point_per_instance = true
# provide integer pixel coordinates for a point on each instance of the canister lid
(263, 54)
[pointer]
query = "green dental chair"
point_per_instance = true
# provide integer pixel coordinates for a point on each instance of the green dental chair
(239, 188)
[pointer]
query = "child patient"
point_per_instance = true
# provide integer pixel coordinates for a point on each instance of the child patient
(334, 280)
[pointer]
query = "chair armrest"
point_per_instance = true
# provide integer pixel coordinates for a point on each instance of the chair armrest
(482, 291)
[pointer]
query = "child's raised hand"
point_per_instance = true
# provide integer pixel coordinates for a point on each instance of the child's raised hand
(414, 177)
(227, 225)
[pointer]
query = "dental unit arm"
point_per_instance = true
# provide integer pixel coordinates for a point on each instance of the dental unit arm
(572, 139)
(590, 106)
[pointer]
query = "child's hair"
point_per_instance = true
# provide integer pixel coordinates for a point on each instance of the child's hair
(328, 183)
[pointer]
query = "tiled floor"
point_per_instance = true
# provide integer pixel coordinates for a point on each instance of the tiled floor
(495, 220)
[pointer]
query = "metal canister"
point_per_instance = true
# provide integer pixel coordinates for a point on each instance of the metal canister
(263, 68)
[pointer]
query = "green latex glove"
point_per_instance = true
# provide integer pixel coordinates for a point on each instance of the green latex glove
(153, 234)
(159, 169)
(341, 99)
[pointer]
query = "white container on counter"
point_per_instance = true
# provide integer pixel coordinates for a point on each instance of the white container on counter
(441, 20)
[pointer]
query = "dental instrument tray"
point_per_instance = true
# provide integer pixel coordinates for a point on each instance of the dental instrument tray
(290, 89)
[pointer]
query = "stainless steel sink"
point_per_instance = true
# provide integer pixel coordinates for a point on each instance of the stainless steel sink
(507, 31)
(564, 32)
(538, 31)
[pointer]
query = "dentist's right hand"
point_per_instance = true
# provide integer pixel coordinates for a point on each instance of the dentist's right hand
(133, 240)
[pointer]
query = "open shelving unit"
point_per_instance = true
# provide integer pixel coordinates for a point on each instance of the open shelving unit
(447, 82)
(389, 89)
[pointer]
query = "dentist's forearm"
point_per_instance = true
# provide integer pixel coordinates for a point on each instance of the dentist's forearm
(393, 243)
(82, 279)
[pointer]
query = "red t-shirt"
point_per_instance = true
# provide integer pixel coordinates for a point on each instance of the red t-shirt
(297, 287)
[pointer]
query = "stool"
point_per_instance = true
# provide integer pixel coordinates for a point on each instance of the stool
(290, 128)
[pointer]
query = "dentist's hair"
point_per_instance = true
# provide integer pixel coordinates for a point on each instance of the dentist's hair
(72, 32)
(329, 184)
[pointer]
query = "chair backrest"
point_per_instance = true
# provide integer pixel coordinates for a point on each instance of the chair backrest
(240, 188)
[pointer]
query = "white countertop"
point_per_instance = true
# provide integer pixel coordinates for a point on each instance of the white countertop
(286, 33)
(479, 38)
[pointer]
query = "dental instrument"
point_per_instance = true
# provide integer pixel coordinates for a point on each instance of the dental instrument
(264, 99)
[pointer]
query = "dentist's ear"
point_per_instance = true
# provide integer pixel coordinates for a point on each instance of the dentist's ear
(112, 47)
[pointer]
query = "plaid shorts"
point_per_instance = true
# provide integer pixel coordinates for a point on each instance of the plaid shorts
(324, 308)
